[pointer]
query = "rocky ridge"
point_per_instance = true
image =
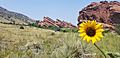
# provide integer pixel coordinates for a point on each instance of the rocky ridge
(58, 23)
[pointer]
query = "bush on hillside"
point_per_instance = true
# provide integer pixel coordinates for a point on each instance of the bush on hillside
(66, 30)
(33, 24)
(75, 30)
(69, 30)
(53, 28)
(21, 27)
(117, 28)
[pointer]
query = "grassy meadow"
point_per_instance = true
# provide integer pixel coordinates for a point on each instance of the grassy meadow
(32, 42)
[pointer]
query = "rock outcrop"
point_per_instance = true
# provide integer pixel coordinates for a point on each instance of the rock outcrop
(104, 12)
(58, 23)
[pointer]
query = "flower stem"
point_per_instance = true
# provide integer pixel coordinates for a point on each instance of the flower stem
(100, 50)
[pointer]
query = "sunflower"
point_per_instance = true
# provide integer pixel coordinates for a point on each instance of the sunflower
(91, 31)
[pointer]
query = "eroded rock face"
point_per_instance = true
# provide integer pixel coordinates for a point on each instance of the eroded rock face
(58, 23)
(103, 12)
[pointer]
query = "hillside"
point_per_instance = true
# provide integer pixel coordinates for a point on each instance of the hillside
(33, 42)
(10, 16)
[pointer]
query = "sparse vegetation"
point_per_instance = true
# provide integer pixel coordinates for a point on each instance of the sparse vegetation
(33, 42)
(54, 28)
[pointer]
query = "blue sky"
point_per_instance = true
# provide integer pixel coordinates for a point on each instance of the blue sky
(67, 10)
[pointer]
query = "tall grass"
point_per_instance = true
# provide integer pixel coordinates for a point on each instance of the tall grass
(32, 42)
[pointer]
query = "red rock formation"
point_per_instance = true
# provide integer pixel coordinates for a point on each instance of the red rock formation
(58, 23)
(103, 12)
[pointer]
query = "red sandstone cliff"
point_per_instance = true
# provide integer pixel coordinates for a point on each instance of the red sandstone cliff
(104, 12)
(58, 23)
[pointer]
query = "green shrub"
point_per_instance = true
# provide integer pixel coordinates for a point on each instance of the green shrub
(53, 28)
(52, 33)
(21, 27)
(33, 24)
(69, 30)
(65, 30)
(117, 28)
(75, 30)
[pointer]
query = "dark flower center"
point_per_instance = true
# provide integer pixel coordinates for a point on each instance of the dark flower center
(90, 32)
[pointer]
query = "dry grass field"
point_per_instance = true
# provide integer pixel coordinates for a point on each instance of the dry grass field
(32, 42)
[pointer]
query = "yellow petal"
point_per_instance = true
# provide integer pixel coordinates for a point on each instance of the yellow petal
(99, 25)
(97, 38)
(99, 34)
(99, 30)
(85, 37)
(94, 40)
(88, 39)
(81, 30)
(88, 21)
(81, 25)
(93, 23)
(82, 34)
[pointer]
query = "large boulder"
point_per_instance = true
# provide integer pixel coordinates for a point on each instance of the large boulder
(107, 13)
